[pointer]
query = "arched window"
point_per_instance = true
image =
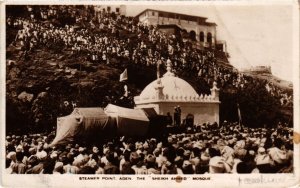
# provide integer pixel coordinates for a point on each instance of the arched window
(209, 37)
(201, 36)
(193, 35)
(184, 33)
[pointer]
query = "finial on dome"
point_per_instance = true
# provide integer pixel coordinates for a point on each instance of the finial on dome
(169, 69)
(169, 65)
(214, 84)
(215, 91)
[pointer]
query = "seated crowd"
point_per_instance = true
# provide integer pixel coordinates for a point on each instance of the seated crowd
(112, 39)
(198, 150)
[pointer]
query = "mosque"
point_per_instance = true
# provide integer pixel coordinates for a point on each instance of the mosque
(163, 94)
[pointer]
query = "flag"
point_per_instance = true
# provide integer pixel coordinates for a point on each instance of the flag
(239, 113)
(268, 87)
(123, 76)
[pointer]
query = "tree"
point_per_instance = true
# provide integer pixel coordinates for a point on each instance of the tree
(258, 107)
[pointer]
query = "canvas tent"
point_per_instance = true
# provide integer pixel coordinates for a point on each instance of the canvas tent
(95, 123)
(82, 122)
(157, 123)
(130, 122)
(150, 112)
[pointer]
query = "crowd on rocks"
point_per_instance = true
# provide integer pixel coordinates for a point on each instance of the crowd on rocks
(230, 148)
(285, 98)
(111, 39)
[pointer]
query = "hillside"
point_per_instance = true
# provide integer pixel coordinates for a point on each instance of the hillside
(283, 84)
(45, 70)
(38, 87)
(48, 75)
(69, 76)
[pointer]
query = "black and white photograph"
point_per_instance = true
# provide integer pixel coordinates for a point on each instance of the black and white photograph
(156, 90)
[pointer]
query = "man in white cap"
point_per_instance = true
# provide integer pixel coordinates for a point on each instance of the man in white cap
(19, 167)
(277, 155)
(39, 149)
(216, 165)
(263, 160)
(58, 168)
(38, 169)
(226, 152)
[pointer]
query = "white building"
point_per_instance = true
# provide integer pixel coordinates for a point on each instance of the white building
(117, 9)
(170, 91)
(197, 27)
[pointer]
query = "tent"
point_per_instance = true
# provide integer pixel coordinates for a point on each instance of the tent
(150, 112)
(130, 122)
(82, 122)
(157, 123)
(94, 123)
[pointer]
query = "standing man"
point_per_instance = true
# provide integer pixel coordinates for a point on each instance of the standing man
(175, 116)
(179, 115)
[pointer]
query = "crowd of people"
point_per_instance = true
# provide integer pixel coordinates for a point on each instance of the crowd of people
(113, 40)
(285, 98)
(197, 150)
(107, 38)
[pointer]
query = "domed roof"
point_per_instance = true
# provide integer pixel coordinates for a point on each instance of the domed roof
(171, 86)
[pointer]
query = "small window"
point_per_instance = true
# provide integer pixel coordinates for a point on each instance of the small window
(153, 13)
(108, 9)
(118, 10)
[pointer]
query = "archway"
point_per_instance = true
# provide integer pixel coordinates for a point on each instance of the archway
(184, 33)
(209, 38)
(193, 35)
(201, 36)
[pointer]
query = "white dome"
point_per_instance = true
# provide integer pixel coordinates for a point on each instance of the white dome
(172, 86)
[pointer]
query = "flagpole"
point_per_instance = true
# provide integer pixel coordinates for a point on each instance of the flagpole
(239, 114)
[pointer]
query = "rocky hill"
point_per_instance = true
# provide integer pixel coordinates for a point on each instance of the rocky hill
(40, 85)
(269, 77)
(49, 80)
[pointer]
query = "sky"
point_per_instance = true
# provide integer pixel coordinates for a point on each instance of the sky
(255, 34)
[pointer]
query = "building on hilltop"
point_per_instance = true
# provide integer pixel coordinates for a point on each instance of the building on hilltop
(221, 46)
(196, 27)
(259, 69)
(117, 9)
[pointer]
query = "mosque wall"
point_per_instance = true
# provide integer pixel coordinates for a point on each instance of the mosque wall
(203, 112)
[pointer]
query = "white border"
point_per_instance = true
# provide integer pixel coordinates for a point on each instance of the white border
(222, 180)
